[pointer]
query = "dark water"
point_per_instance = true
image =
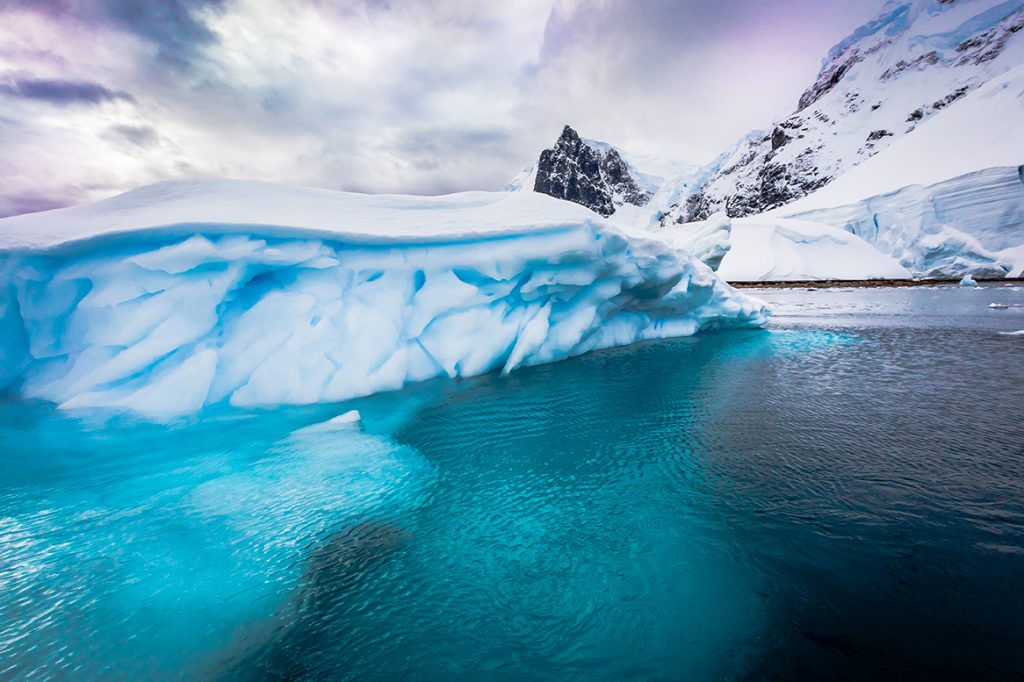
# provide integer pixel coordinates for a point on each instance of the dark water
(840, 497)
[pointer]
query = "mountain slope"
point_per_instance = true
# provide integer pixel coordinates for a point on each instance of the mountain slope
(947, 200)
(892, 74)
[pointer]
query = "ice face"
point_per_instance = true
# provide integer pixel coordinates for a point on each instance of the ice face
(708, 240)
(159, 324)
(972, 224)
(776, 249)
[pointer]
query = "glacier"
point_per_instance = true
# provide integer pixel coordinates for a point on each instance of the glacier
(968, 225)
(777, 250)
(708, 240)
(771, 249)
(182, 295)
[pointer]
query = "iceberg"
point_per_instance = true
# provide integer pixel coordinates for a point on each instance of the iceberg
(181, 295)
(766, 249)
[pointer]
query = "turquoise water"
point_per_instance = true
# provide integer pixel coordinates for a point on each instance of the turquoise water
(839, 496)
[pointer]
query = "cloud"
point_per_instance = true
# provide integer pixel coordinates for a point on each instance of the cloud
(683, 79)
(177, 28)
(416, 96)
(15, 205)
(138, 135)
(62, 92)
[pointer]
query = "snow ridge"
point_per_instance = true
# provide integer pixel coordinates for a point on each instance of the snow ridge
(167, 306)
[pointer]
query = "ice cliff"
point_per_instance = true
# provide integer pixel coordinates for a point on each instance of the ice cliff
(181, 295)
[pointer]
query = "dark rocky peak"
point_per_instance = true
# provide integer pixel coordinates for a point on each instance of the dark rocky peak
(592, 175)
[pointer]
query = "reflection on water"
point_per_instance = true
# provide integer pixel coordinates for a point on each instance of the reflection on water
(841, 497)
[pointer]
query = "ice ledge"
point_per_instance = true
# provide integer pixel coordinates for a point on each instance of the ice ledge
(183, 207)
(336, 306)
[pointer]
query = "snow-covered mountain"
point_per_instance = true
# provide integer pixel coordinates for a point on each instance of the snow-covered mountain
(585, 172)
(947, 200)
(911, 139)
(603, 178)
(181, 295)
(888, 77)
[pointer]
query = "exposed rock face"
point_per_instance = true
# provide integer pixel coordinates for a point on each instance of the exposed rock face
(913, 65)
(587, 175)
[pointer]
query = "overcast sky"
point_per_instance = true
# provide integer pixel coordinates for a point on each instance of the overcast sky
(383, 96)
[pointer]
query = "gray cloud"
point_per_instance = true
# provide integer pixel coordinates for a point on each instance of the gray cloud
(140, 136)
(367, 95)
(62, 92)
(175, 27)
(172, 25)
(16, 205)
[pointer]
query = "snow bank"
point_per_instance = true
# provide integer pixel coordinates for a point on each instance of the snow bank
(765, 249)
(181, 295)
(708, 240)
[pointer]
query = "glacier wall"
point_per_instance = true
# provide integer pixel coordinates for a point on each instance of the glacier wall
(971, 224)
(708, 240)
(173, 321)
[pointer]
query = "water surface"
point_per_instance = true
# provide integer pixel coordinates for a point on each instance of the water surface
(839, 496)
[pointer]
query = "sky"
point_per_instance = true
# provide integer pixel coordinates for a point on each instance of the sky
(412, 96)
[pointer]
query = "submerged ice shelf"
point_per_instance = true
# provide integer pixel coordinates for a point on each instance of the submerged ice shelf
(183, 295)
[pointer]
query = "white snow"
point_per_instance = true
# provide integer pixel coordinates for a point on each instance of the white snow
(524, 181)
(983, 130)
(350, 417)
(946, 200)
(708, 240)
(182, 295)
(776, 249)
(183, 207)
(895, 74)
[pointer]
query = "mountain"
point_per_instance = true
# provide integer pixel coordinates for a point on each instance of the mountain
(888, 77)
(584, 172)
(601, 177)
(911, 139)
(947, 200)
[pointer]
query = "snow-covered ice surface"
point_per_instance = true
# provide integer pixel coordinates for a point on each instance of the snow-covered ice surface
(708, 240)
(778, 249)
(946, 200)
(181, 295)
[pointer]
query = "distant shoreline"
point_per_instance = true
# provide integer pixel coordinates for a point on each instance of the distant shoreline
(862, 283)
